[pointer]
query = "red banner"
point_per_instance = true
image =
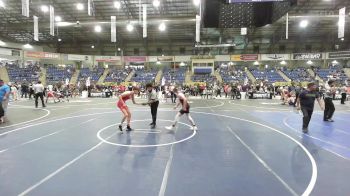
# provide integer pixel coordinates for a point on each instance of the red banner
(42, 55)
(135, 59)
(245, 57)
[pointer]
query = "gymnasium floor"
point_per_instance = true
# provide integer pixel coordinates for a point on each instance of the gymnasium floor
(247, 147)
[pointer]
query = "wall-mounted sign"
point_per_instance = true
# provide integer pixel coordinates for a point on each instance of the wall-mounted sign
(203, 57)
(274, 57)
(110, 59)
(42, 55)
(5, 51)
(135, 58)
(339, 55)
(245, 57)
(307, 56)
(165, 58)
(75, 57)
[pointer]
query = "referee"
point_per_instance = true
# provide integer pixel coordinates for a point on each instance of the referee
(328, 100)
(153, 102)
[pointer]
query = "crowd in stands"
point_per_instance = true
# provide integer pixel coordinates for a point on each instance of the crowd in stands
(58, 74)
(269, 75)
(116, 75)
(203, 78)
(30, 73)
(176, 75)
(298, 75)
(230, 74)
(94, 74)
(333, 72)
(143, 75)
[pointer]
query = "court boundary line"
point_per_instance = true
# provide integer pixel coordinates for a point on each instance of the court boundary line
(314, 174)
(29, 121)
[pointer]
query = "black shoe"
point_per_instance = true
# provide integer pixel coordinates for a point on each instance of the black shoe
(305, 130)
(128, 128)
(153, 126)
(120, 128)
(329, 120)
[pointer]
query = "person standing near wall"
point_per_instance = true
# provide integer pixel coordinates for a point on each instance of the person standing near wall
(4, 97)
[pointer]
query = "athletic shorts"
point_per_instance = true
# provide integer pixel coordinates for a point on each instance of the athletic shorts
(187, 111)
(121, 106)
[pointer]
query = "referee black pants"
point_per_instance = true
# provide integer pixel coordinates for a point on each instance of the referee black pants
(343, 98)
(154, 109)
(41, 95)
(307, 113)
(328, 109)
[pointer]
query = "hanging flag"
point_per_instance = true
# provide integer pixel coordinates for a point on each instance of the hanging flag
(198, 28)
(144, 6)
(36, 28)
(89, 7)
(113, 29)
(287, 26)
(25, 8)
(52, 20)
(341, 23)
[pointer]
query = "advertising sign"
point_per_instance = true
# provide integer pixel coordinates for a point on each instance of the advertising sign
(245, 57)
(307, 56)
(339, 55)
(275, 57)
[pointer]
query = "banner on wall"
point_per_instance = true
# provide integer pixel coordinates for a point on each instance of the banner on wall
(135, 59)
(307, 56)
(52, 20)
(108, 59)
(339, 55)
(75, 57)
(274, 57)
(202, 57)
(245, 57)
(25, 8)
(41, 55)
(341, 22)
(113, 29)
(165, 58)
(4, 51)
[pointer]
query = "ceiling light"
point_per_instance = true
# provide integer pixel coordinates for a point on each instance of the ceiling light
(2, 4)
(27, 46)
(309, 62)
(158, 63)
(2, 43)
(283, 63)
(117, 4)
(98, 29)
(256, 63)
(80, 6)
(304, 23)
(92, 46)
(44, 8)
(156, 3)
(335, 62)
(59, 39)
(196, 2)
(58, 18)
(162, 27)
(342, 39)
(129, 27)
(119, 49)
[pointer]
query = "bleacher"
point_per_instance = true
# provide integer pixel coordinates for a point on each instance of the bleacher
(229, 76)
(175, 75)
(334, 72)
(116, 75)
(203, 78)
(298, 75)
(29, 74)
(144, 76)
(94, 74)
(56, 74)
(268, 75)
